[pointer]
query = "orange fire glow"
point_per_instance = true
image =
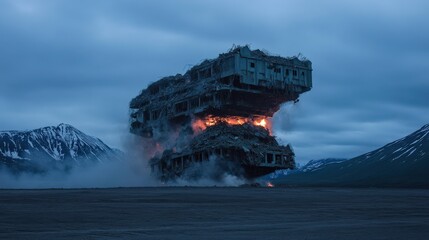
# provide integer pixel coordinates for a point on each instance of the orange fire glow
(199, 125)
(262, 123)
(269, 184)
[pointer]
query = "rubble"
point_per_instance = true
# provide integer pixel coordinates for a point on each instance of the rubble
(223, 108)
(247, 146)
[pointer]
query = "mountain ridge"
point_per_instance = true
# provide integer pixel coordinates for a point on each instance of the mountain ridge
(59, 147)
(401, 163)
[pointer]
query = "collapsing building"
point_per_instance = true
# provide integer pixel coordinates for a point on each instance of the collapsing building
(221, 107)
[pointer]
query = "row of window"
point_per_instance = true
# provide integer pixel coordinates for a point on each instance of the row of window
(278, 70)
(178, 163)
(294, 72)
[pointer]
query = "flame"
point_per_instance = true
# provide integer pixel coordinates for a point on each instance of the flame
(262, 123)
(199, 125)
(270, 185)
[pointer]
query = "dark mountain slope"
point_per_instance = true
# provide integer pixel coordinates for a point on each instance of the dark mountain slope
(402, 163)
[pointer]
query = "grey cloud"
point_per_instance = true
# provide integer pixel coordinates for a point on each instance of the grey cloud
(81, 62)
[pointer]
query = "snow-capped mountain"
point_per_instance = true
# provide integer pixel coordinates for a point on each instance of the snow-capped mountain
(314, 165)
(412, 148)
(402, 163)
(59, 147)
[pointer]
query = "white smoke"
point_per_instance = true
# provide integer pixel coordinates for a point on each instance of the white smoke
(131, 170)
(102, 175)
(214, 172)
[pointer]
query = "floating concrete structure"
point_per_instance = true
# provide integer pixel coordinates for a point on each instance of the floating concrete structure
(224, 106)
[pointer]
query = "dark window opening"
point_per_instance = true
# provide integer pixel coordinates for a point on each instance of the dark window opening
(155, 114)
(225, 80)
(236, 82)
(181, 107)
(278, 159)
(285, 160)
(223, 96)
(217, 151)
(252, 65)
(194, 103)
(277, 70)
(287, 72)
(295, 73)
(269, 158)
(146, 115)
(206, 99)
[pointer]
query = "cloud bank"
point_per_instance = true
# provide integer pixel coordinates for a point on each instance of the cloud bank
(81, 62)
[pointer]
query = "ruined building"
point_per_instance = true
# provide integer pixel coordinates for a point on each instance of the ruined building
(221, 108)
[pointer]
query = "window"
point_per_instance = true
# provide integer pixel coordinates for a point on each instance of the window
(287, 72)
(194, 103)
(277, 70)
(206, 100)
(278, 159)
(181, 107)
(252, 65)
(146, 115)
(295, 73)
(269, 158)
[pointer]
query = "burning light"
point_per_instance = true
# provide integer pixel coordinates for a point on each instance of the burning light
(199, 125)
(270, 185)
(262, 123)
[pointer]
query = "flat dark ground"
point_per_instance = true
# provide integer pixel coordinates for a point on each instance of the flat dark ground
(215, 213)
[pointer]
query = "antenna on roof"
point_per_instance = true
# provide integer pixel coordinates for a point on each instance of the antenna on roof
(234, 46)
(301, 57)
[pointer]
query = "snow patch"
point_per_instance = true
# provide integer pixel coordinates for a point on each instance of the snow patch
(397, 150)
(411, 152)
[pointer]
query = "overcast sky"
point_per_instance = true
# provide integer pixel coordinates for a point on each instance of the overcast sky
(81, 62)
